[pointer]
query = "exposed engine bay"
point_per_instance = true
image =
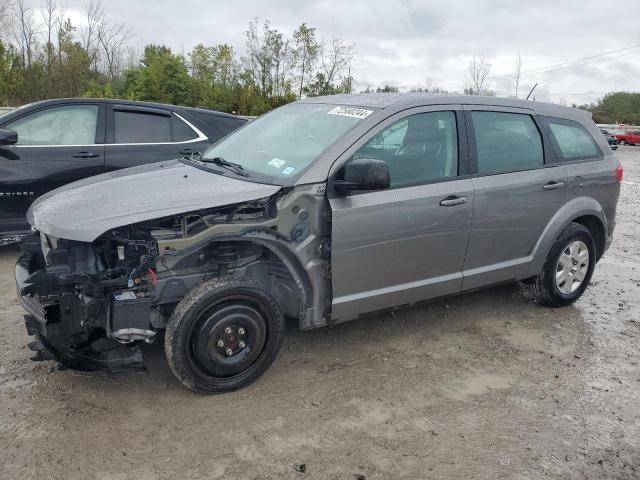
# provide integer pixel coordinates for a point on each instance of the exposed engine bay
(90, 304)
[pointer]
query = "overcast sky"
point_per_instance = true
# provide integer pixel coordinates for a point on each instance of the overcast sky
(413, 43)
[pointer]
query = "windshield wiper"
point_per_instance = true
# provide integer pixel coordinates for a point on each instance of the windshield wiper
(221, 162)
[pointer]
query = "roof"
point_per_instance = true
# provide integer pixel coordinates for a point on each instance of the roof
(118, 101)
(415, 99)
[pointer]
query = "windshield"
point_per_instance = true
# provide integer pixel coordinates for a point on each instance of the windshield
(285, 141)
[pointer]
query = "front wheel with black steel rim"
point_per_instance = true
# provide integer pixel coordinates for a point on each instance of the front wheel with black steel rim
(568, 268)
(223, 335)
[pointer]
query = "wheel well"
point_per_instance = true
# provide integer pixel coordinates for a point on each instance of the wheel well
(597, 231)
(280, 276)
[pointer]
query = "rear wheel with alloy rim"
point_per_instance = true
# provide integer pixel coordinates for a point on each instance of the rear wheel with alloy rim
(568, 268)
(223, 335)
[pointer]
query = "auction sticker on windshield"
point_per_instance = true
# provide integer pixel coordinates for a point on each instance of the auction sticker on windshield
(350, 112)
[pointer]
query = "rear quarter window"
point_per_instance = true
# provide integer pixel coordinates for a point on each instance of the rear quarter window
(218, 126)
(572, 141)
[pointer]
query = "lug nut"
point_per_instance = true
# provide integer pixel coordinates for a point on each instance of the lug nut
(229, 352)
(241, 331)
(228, 330)
(241, 344)
(220, 343)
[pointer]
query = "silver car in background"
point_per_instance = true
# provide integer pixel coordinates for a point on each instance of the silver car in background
(324, 210)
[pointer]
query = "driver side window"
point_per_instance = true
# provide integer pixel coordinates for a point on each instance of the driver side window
(418, 148)
(63, 125)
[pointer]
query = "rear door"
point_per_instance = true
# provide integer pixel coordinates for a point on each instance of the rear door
(137, 135)
(407, 243)
(57, 144)
(519, 186)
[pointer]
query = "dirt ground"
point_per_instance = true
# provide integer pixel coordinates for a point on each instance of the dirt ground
(485, 386)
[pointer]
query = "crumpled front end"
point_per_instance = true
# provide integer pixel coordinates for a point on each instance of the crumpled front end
(74, 301)
(90, 303)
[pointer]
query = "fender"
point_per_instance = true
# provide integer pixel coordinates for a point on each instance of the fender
(311, 287)
(574, 208)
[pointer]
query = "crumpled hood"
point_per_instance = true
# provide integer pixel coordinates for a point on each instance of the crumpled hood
(86, 209)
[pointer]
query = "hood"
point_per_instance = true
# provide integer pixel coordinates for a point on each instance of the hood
(86, 209)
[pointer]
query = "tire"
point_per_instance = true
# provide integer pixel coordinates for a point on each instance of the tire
(621, 142)
(241, 315)
(548, 288)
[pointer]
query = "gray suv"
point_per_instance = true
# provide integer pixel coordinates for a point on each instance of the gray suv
(323, 210)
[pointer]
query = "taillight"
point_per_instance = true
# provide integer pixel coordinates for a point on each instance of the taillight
(619, 172)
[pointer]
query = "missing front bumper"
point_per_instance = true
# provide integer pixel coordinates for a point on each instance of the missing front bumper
(65, 325)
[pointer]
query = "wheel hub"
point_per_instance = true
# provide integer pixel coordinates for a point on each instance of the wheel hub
(228, 339)
(572, 267)
(232, 341)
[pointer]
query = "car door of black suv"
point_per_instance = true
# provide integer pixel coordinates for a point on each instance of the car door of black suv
(57, 144)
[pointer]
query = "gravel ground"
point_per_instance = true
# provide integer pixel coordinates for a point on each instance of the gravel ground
(485, 385)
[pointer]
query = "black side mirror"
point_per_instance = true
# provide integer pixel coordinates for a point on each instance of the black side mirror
(364, 174)
(8, 137)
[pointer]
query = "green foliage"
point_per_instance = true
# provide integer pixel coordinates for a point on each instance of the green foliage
(62, 62)
(616, 107)
(161, 77)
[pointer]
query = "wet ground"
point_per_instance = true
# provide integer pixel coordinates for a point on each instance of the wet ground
(486, 385)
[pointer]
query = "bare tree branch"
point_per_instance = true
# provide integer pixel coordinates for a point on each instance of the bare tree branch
(516, 74)
(477, 73)
(24, 30)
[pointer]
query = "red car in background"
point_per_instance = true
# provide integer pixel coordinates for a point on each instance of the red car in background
(628, 138)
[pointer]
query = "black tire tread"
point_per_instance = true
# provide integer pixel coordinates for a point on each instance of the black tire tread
(175, 354)
(540, 288)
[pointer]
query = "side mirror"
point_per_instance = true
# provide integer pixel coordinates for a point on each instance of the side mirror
(364, 174)
(8, 137)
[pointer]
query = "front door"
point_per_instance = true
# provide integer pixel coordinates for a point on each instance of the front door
(407, 243)
(519, 188)
(56, 145)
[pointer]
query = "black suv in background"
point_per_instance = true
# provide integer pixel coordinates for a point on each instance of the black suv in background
(611, 138)
(47, 144)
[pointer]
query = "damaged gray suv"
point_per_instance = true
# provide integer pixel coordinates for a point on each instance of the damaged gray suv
(323, 210)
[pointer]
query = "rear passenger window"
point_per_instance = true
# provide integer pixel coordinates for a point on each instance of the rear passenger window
(418, 148)
(138, 127)
(506, 142)
(574, 142)
(181, 131)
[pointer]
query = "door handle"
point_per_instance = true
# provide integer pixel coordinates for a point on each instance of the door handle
(85, 155)
(186, 151)
(553, 185)
(453, 200)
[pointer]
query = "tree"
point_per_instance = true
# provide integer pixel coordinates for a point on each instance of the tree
(162, 77)
(112, 38)
(476, 79)
(267, 59)
(617, 107)
(335, 57)
(305, 54)
(25, 31)
(516, 73)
